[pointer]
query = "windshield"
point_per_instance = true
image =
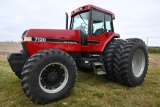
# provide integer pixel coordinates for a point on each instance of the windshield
(80, 21)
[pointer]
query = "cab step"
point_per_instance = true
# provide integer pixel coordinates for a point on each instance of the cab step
(97, 63)
(101, 73)
(98, 68)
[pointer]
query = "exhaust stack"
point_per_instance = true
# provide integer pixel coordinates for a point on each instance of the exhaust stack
(66, 21)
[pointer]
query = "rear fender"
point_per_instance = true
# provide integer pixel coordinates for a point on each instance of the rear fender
(102, 43)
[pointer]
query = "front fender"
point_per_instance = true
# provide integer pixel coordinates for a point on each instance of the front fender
(16, 61)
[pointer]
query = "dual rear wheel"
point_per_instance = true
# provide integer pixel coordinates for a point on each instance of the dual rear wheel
(126, 61)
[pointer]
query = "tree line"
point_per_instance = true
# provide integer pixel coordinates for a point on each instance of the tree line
(154, 50)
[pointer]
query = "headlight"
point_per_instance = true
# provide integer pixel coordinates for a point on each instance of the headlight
(26, 38)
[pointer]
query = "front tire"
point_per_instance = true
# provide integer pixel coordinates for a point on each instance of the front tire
(49, 76)
(131, 62)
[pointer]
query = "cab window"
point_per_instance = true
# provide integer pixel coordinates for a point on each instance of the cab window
(108, 23)
(97, 23)
(80, 22)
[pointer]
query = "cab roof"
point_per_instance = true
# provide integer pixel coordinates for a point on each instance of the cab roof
(89, 7)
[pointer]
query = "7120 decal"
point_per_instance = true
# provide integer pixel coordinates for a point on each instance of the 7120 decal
(40, 39)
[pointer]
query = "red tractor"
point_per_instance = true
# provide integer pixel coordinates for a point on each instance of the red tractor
(47, 65)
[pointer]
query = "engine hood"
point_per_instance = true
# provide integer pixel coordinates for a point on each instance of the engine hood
(54, 34)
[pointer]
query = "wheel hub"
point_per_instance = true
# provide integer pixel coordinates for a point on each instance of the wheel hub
(138, 63)
(53, 78)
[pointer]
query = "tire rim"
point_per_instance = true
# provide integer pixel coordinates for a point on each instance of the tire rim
(53, 78)
(138, 63)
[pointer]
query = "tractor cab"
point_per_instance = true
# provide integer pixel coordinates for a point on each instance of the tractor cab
(92, 20)
(95, 24)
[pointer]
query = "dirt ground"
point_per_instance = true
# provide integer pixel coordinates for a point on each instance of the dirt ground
(6, 47)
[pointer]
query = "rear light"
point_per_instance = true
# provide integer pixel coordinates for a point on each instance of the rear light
(72, 12)
(83, 8)
(80, 9)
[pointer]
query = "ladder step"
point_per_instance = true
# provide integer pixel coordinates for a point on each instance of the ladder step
(97, 63)
(101, 73)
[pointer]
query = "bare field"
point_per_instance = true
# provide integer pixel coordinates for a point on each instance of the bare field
(6, 47)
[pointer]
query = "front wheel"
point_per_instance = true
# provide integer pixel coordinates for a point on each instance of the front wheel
(49, 76)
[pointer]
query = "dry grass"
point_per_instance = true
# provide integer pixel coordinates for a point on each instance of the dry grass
(154, 60)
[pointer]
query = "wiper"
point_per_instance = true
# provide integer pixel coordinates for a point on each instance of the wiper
(82, 19)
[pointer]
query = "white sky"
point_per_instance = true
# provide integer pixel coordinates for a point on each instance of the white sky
(138, 18)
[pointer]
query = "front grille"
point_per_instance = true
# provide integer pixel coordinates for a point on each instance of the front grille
(25, 49)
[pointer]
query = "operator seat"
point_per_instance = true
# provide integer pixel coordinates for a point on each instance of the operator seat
(98, 31)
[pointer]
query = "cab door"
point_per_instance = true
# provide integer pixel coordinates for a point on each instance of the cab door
(101, 28)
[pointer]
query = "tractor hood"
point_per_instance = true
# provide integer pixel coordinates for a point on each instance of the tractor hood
(34, 40)
(51, 35)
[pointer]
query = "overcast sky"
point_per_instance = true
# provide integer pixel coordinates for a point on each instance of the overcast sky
(134, 18)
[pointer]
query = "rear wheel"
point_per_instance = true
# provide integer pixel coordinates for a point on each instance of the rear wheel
(131, 62)
(49, 76)
(18, 74)
(109, 55)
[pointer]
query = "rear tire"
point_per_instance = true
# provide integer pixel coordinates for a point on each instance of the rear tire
(18, 74)
(49, 76)
(109, 55)
(131, 62)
